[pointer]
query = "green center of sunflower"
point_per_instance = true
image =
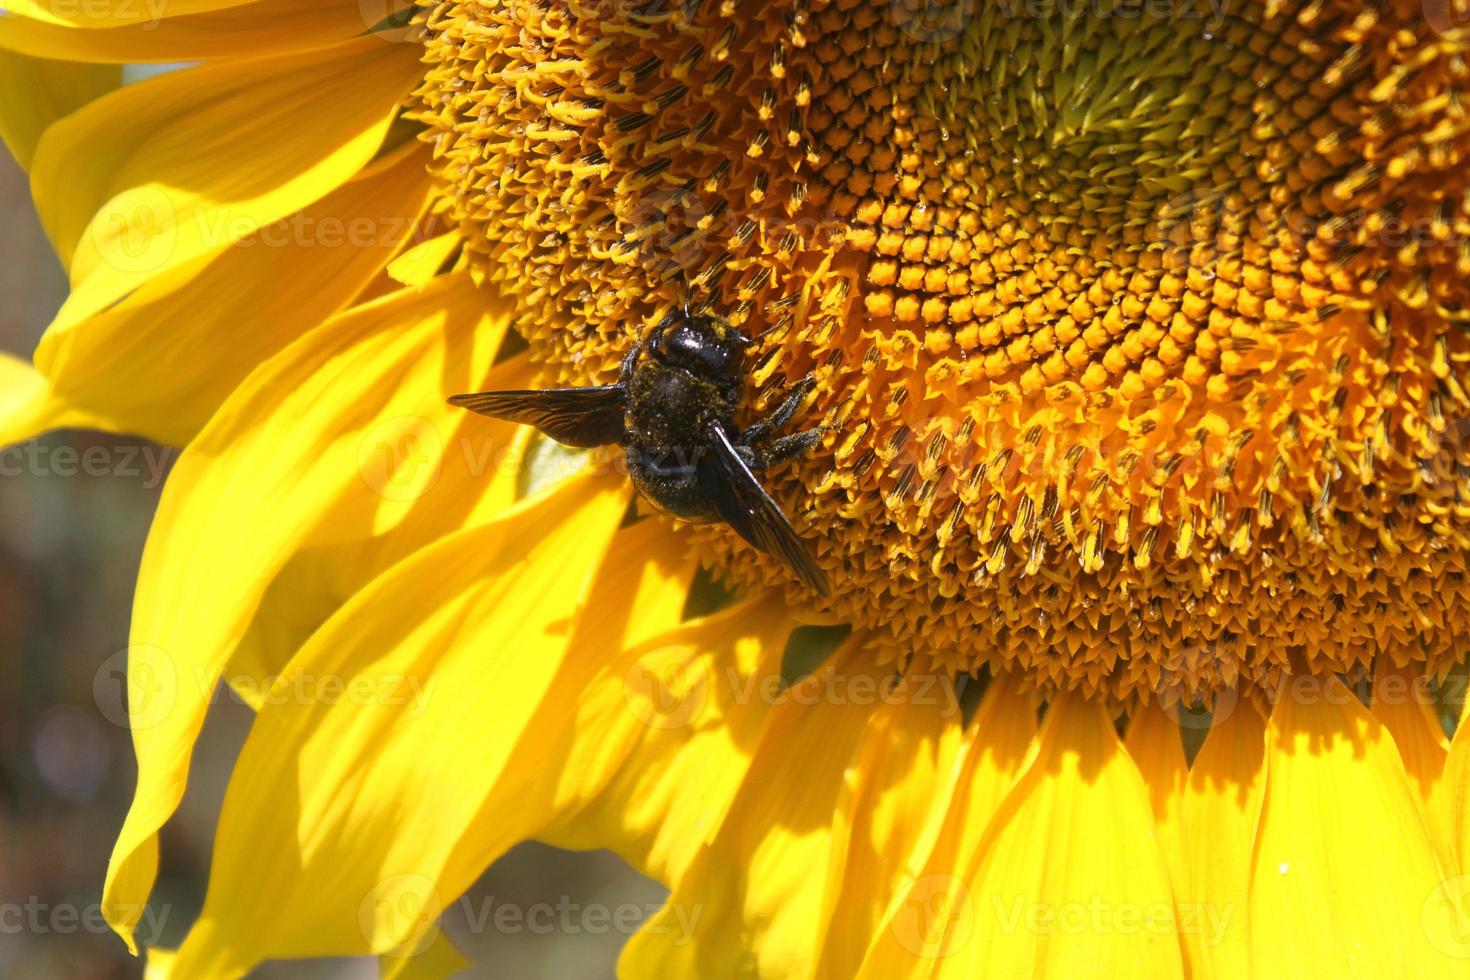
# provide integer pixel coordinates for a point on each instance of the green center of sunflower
(1137, 326)
(1093, 114)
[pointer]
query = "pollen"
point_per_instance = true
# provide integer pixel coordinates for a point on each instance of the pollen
(1141, 329)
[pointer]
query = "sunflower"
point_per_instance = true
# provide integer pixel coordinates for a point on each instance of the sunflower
(1138, 330)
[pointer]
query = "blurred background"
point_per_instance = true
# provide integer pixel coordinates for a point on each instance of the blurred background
(70, 540)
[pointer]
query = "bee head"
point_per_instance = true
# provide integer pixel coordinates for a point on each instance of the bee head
(706, 346)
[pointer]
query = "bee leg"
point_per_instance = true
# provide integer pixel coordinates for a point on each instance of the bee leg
(778, 451)
(625, 375)
(761, 431)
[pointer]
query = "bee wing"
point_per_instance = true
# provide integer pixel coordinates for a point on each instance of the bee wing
(578, 417)
(744, 504)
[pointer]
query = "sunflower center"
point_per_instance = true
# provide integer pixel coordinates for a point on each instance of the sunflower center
(1137, 324)
(1094, 117)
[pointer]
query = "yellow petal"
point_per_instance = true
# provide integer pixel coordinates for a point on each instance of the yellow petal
(436, 958)
(331, 440)
(1157, 750)
(152, 176)
(1070, 879)
(26, 408)
(895, 798)
(163, 360)
(639, 588)
(35, 92)
(178, 36)
(1222, 808)
(1345, 879)
(1455, 798)
(663, 736)
(425, 260)
(628, 749)
(22, 395)
(1404, 702)
(477, 473)
(997, 746)
(100, 14)
(753, 903)
(160, 965)
(439, 666)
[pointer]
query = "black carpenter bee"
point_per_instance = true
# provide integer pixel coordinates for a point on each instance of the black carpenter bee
(673, 409)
